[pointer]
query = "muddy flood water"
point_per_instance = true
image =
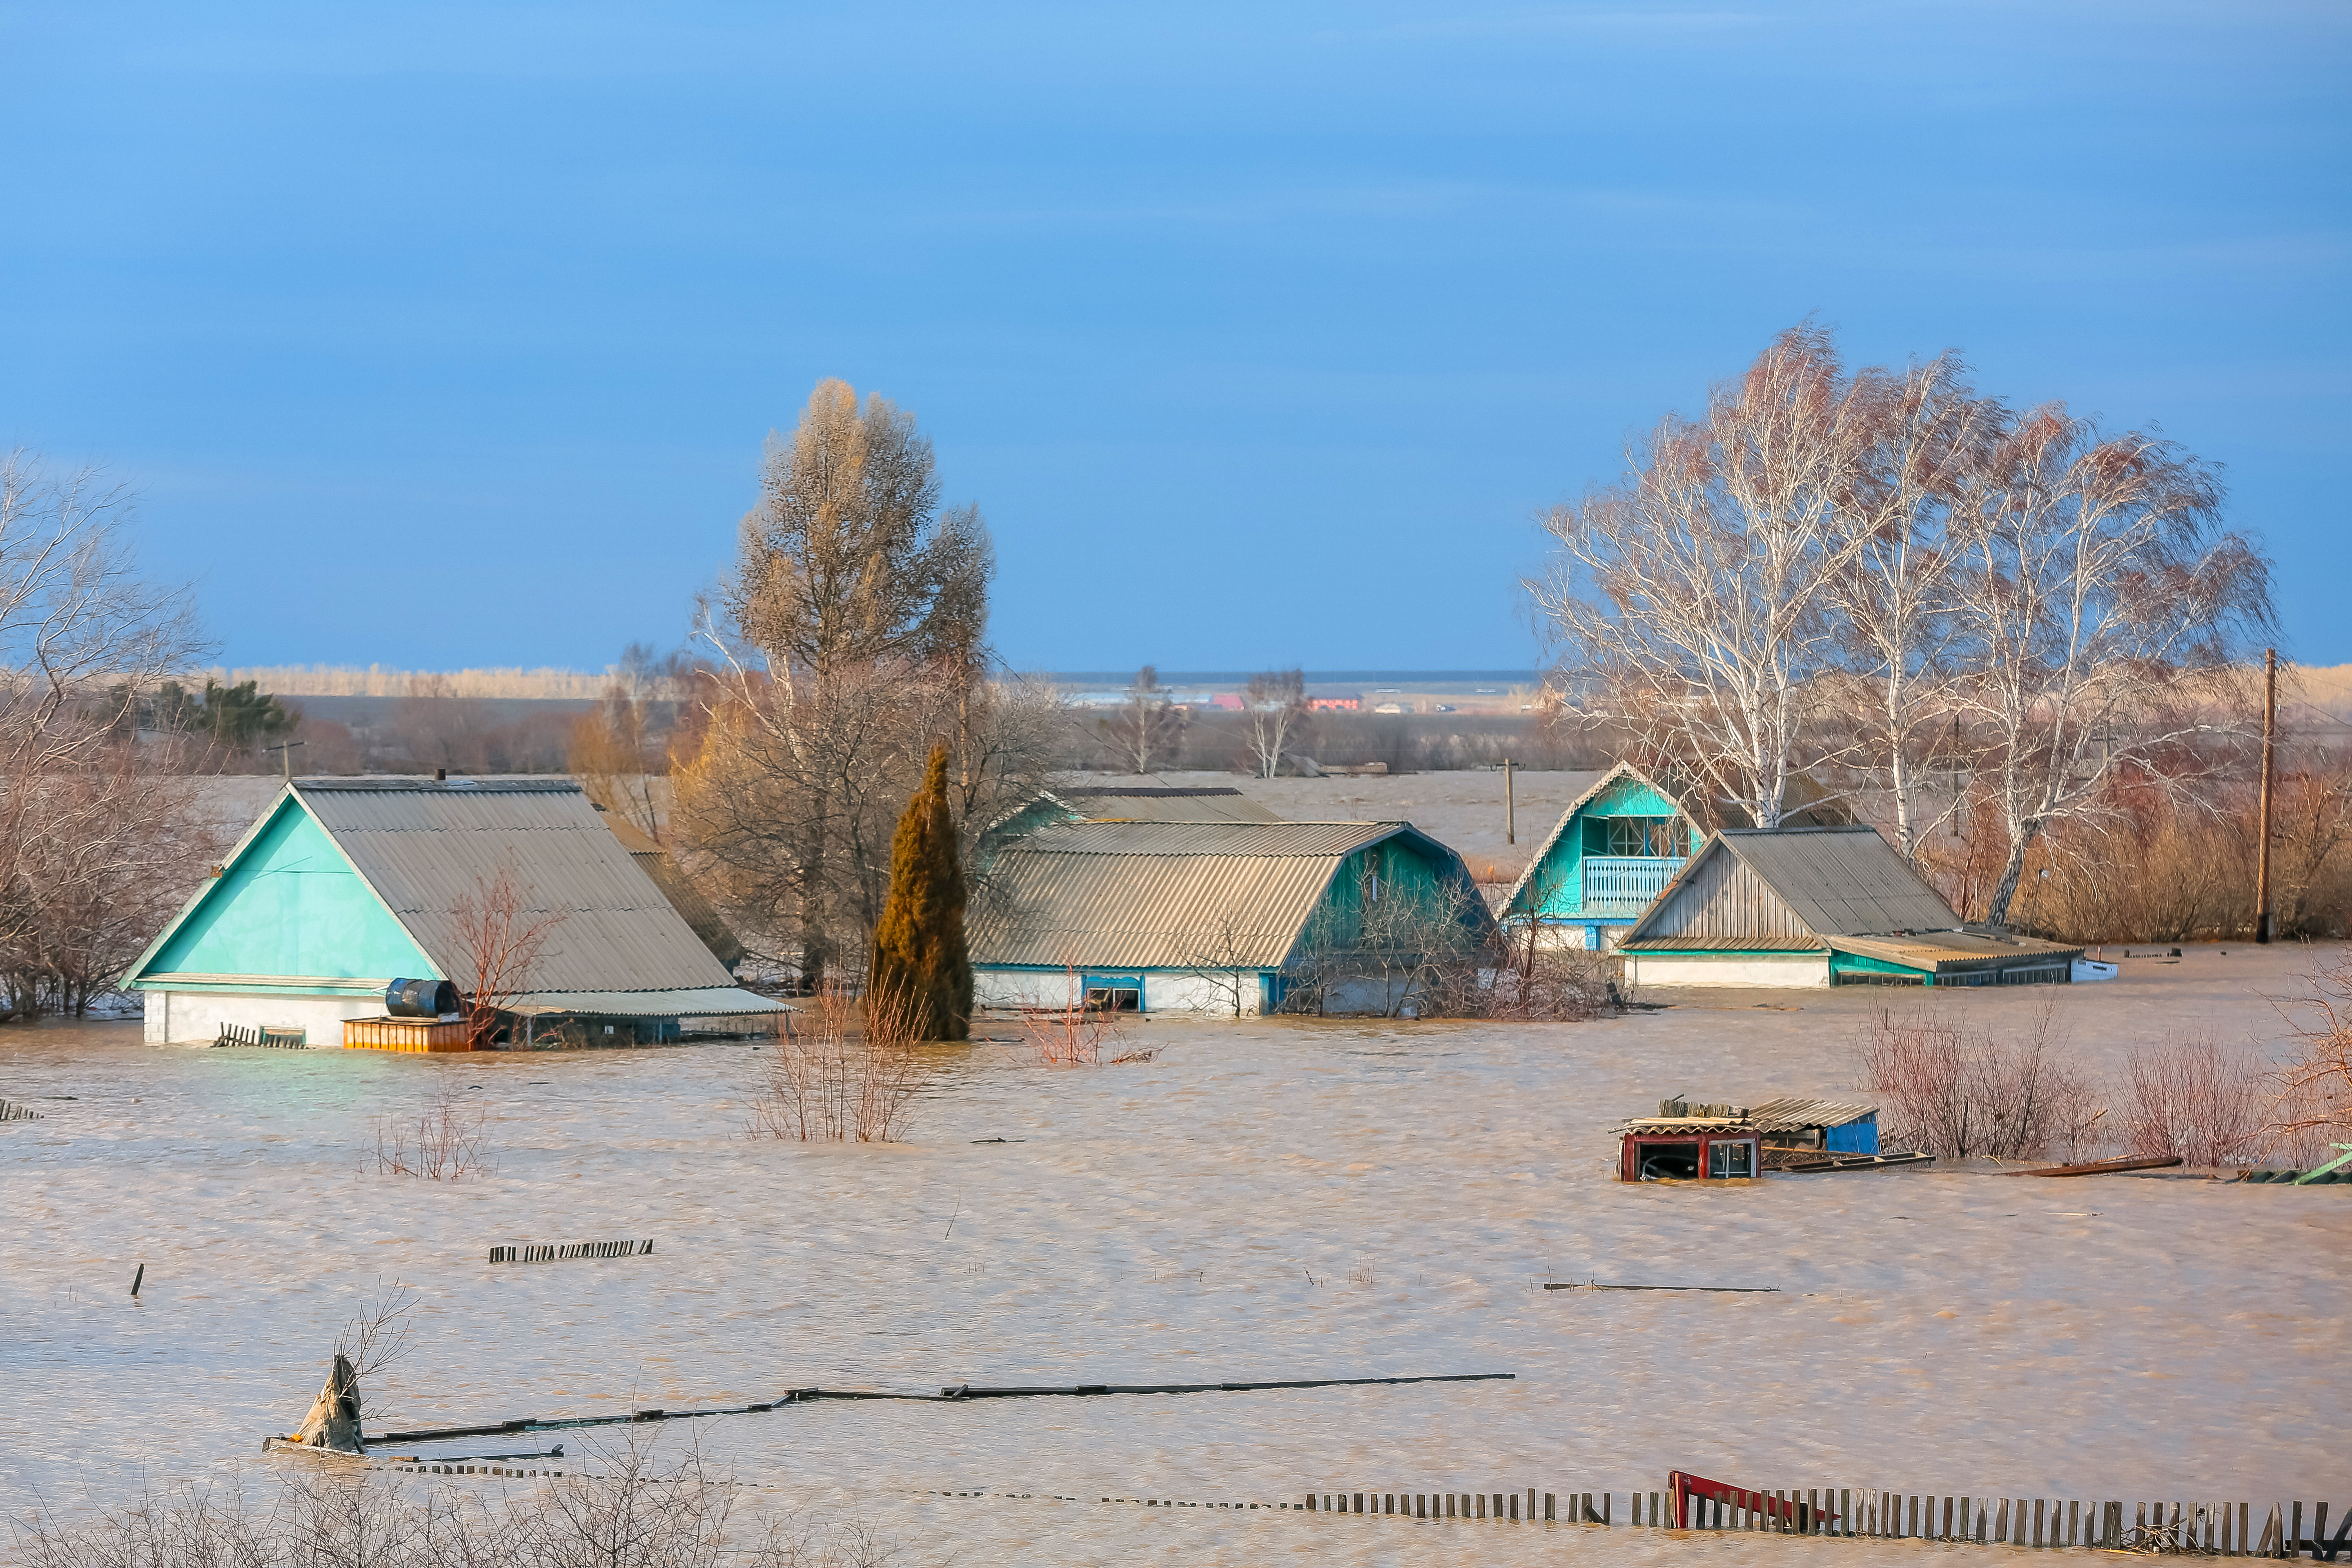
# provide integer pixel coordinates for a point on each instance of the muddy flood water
(1268, 1200)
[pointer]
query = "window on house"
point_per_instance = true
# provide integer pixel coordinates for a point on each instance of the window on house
(1654, 837)
(1729, 1159)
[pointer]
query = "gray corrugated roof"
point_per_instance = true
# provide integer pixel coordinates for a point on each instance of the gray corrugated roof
(424, 846)
(1136, 895)
(1944, 952)
(1222, 838)
(1794, 1114)
(1842, 881)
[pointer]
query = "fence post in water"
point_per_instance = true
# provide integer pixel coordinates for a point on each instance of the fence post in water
(1551, 1507)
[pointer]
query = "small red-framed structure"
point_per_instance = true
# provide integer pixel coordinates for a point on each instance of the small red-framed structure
(1682, 1487)
(1689, 1148)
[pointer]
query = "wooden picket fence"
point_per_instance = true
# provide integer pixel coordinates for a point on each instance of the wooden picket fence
(12, 1111)
(564, 1251)
(2223, 1529)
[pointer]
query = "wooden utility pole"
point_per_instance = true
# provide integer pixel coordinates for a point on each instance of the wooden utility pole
(1511, 806)
(2262, 855)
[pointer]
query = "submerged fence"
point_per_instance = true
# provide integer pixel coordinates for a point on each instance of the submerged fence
(2219, 1529)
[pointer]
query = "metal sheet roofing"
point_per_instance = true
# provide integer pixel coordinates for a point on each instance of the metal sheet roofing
(423, 846)
(1792, 1114)
(1834, 881)
(1843, 881)
(1216, 838)
(1138, 803)
(1133, 895)
(1951, 950)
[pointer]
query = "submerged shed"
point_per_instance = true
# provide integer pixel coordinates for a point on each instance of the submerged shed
(1820, 906)
(344, 885)
(1217, 916)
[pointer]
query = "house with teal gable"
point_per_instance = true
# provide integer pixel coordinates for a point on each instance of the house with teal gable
(344, 886)
(1607, 858)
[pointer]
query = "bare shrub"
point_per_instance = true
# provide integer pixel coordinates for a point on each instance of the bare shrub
(847, 1072)
(1956, 1093)
(637, 1512)
(445, 1139)
(2314, 1087)
(501, 937)
(2193, 1099)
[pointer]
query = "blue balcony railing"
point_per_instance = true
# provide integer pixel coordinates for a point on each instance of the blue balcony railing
(1625, 884)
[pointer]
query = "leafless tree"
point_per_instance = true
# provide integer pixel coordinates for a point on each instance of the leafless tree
(501, 937)
(844, 1071)
(446, 1138)
(114, 845)
(2314, 1101)
(852, 591)
(84, 638)
(1957, 1092)
(1692, 596)
(1224, 961)
(1145, 730)
(2193, 1099)
(1277, 716)
(1922, 434)
(2105, 605)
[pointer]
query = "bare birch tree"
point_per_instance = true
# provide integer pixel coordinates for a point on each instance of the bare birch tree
(1144, 730)
(1277, 715)
(2104, 604)
(1925, 436)
(1694, 593)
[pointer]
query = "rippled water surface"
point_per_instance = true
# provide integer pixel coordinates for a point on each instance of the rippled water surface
(1266, 1200)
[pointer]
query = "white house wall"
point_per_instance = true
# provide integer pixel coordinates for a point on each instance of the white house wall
(1802, 971)
(195, 1018)
(1162, 993)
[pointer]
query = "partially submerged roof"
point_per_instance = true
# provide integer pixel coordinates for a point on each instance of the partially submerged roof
(1792, 1114)
(1157, 895)
(1799, 884)
(424, 847)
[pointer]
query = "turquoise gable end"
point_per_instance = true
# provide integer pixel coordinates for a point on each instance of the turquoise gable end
(1556, 887)
(291, 906)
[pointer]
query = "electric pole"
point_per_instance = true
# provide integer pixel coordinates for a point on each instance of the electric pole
(1510, 807)
(2262, 855)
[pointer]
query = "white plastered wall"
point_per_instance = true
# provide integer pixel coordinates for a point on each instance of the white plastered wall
(1162, 993)
(1796, 971)
(195, 1018)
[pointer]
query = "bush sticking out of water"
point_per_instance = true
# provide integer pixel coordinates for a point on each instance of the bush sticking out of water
(638, 1514)
(841, 1072)
(1955, 1092)
(446, 1139)
(2195, 1100)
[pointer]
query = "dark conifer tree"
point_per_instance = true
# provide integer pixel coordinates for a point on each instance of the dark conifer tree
(919, 956)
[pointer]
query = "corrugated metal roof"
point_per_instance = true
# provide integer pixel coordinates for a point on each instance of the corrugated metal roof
(1791, 1114)
(1945, 951)
(1134, 894)
(1721, 944)
(1219, 838)
(1819, 881)
(423, 847)
(1842, 881)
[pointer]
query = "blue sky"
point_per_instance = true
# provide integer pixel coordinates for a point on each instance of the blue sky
(447, 335)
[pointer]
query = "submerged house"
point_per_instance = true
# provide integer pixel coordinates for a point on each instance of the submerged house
(345, 885)
(1609, 854)
(1820, 906)
(1220, 916)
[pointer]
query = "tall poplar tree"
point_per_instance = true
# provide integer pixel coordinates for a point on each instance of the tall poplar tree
(919, 956)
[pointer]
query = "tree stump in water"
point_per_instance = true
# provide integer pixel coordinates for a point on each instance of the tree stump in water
(334, 1418)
